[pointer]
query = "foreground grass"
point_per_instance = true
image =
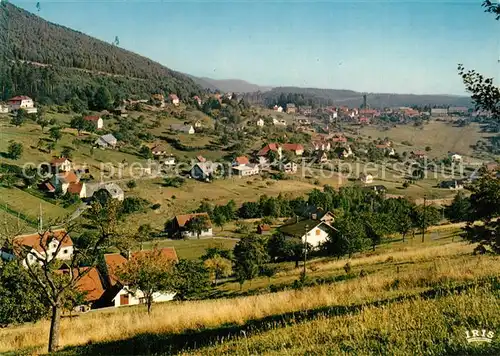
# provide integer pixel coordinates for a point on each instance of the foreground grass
(413, 327)
(127, 327)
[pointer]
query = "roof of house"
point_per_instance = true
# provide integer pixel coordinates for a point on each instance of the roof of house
(158, 148)
(36, 241)
(75, 188)
(206, 167)
(269, 147)
(201, 158)
(242, 160)
(183, 219)
(181, 127)
(418, 153)
(293, 147)
(491, 166)
(115, 260)
(264, 227)
(20, 97)
(173, 96)
(108, 138)
(90, 283)
(58, 161)
(91, 118)
(67, 177)
(298, 229)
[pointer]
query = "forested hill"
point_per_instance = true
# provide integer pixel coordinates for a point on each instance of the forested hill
(317, 97)
(27, 37)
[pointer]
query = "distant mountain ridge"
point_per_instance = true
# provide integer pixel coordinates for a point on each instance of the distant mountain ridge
(351, 98)
(229, 85)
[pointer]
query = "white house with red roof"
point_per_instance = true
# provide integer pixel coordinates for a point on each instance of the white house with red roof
(22, 102)
(174, 99)
(96, 121)
(61, 164)
(63, 180)
(33, 247)
(119, 293)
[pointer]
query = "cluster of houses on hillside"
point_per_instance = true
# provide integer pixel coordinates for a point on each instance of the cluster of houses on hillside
(19, 102)
(101, 287)
(65, 179)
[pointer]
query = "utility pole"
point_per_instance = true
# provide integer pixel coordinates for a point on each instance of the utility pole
(305, 249)
(423, 221)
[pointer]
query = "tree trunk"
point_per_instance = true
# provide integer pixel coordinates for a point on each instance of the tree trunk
(403, 237)
(149, 302)
(55, 323)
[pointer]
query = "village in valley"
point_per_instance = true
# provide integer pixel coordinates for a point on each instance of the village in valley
(273, 144)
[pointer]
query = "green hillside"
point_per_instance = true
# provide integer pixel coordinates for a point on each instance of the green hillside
(53, 63)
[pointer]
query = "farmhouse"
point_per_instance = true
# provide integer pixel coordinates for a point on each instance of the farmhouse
(170, 161)
(366, 178)
(291, 108)
(90, 284)
(61, 181)
(22, 102)
(343, 152)
(289, 167)
(96, 121)
(260, 123)
(79, 189)
(174, 99)
(188, 129)
(312, 231)
(246, 170)
(42, 246)
(278, 108)
(119, 294)
(197, 99)
(179, 225)
(203, 170)
(452, 184)
(456, 158)
(61, 164)
(296, 148)
(263, 229)
(106, 141)
(241, 161)
(321, 145)
(112, 189)
(158, 150)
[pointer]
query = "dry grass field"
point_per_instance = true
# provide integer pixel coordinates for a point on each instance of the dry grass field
(400, 285)
(440, 136)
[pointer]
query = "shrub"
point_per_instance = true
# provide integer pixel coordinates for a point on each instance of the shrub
(131, 184)
(156, 206)
(363, 273)
(347, 267)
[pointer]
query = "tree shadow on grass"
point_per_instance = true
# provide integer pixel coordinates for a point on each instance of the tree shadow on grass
(168, 344)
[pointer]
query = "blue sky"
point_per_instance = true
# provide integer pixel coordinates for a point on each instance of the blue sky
(372, 46)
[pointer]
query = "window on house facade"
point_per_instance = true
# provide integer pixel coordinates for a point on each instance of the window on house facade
(318, 232)
(65, 251)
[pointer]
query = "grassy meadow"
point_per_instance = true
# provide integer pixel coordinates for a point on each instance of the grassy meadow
(441, 136)
(411, 297)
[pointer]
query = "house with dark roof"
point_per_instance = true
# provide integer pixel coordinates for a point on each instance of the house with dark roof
(118, 294)
(313, 231)
(203, 170)
(158, 150)
(178, 226)
(106, 141)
